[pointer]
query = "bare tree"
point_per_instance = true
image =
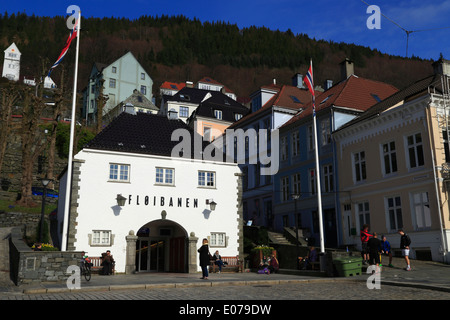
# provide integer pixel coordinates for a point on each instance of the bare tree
(33, 141)
(58, 109)
(9, 97)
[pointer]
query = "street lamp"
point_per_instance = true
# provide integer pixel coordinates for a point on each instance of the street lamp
(45, 182)
(120, 200)
(212, 204)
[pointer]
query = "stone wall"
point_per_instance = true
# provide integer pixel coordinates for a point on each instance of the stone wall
(29, 266)
(10, 174)
(28, 222)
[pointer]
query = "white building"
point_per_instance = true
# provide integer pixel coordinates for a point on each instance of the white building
(11, 63)
(167, 209)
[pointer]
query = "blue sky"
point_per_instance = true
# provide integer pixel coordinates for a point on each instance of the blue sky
(339, 21)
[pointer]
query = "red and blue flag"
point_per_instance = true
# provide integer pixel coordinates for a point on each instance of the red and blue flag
(309, 81)
(72, 35)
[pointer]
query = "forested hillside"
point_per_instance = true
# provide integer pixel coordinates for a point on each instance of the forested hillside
(179, 49)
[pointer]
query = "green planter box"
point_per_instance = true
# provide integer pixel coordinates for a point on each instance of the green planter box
(348, 266)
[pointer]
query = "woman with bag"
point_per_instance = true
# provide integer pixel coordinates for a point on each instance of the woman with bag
(205, 258)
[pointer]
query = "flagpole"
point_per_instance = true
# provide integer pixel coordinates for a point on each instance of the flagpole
(72, 133)
(319, 193)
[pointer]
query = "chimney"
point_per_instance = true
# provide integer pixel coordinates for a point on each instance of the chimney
(442, 66)
(297, 81)
(274, 81)
(347, 69)
(189, 84)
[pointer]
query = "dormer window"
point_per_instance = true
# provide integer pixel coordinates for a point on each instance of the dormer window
(185, 97)
(218, 114)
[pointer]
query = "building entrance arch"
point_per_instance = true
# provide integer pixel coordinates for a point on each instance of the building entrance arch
(161, 246)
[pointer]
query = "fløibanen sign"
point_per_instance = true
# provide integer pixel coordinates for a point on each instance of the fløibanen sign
(161, 201)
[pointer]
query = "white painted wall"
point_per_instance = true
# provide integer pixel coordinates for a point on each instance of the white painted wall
(98, 208)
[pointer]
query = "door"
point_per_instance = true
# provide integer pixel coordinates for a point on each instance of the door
(177, 255)
(150, 255)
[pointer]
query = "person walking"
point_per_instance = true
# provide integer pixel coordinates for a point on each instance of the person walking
(205, 258)
(405, 242)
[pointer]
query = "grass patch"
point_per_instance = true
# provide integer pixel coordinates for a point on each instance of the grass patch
(11, 206)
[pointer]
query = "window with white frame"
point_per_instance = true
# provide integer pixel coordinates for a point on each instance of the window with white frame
(295, 143)
(184, 112)
(114, 69)
(101, 238)
(326, 132)
(328, 178)
(207, 179)
(285, 189)
(144, 90)
(359, 163)
(394, 213)
(142, 76)
(206, 133)
(415, 150)
(112, 83)
(218, 239)
(119, 172)
(363, 214)
(165, 176)
(389, 157)
(421, 210)
(218, 114)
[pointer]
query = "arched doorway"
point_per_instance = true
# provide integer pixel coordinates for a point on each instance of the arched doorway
(161, 246)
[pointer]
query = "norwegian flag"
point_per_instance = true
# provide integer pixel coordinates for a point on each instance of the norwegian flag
(309, 81)
(72, 35)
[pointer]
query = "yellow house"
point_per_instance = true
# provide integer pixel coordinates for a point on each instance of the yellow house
(392, 164)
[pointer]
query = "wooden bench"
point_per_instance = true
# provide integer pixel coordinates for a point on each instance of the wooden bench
(230, 263)
(97, 265)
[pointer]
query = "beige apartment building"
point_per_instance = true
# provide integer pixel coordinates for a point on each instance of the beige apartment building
(392, 165)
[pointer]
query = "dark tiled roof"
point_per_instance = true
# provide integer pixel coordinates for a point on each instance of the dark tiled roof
(141, 133)
(220, 101)
(190, 95)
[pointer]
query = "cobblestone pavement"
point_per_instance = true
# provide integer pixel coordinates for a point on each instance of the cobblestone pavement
(329, 290)
(427, 281)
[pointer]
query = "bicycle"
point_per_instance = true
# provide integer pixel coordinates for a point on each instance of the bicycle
(85, 268)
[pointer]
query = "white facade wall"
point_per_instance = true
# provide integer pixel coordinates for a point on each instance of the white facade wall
(98, 209)
(127, 76)
(11, 63)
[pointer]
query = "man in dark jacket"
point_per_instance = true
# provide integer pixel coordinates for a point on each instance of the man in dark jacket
(405, 241)
(374, 247)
